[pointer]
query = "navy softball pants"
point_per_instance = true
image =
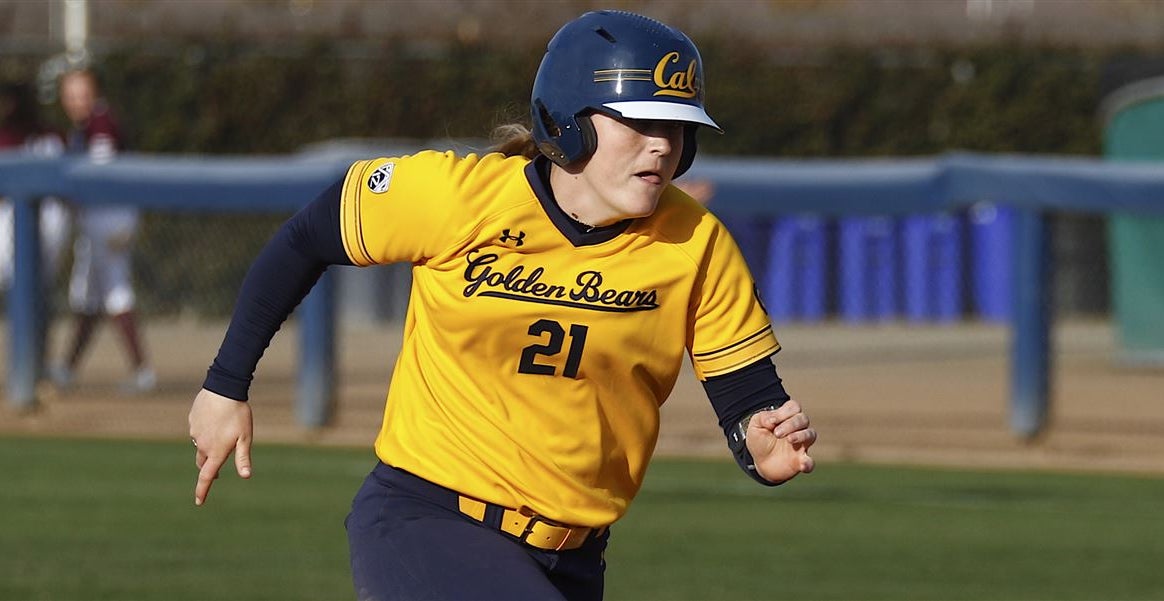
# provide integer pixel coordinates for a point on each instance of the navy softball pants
(409, 541)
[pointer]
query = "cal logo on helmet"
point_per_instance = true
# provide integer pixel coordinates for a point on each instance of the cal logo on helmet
(380, 178)
(675, 82)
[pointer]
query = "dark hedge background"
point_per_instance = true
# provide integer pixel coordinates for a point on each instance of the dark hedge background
(844, 102)
(230, 97)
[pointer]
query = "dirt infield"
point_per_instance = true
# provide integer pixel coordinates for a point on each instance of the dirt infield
(887, 393)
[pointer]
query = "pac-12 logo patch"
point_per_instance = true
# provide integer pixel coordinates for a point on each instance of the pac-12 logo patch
(380, 178)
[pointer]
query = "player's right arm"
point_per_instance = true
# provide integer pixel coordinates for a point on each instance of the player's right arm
(282, 274)
(368, 217)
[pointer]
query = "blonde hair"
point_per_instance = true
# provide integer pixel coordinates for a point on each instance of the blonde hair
(513, 139)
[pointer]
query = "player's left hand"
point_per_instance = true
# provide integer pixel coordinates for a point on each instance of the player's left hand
(779, 440)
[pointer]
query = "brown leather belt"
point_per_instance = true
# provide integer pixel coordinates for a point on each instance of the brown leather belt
(533, 530)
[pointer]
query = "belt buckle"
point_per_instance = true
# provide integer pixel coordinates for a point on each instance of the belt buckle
(564, 532)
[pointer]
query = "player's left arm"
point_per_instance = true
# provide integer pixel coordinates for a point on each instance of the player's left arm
(731, 344)
(768, 433)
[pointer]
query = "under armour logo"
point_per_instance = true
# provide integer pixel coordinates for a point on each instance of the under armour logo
(506, 237)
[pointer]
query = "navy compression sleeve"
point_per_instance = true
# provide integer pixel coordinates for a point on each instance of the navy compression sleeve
(740, 393)
(282, 274)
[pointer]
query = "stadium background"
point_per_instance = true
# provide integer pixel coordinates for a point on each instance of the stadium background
(787, 79)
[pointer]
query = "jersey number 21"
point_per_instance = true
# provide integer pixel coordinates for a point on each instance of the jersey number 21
(530, 354)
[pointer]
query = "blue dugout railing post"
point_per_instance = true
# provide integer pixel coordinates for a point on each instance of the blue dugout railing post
(315, 395)
(25, 304)
(1030, 323)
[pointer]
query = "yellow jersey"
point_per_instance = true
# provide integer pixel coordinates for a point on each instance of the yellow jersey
(535, 356)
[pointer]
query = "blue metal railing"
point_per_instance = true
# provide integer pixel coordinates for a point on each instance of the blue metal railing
(1032, 185)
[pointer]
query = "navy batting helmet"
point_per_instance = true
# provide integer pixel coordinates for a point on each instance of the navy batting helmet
(620, 64)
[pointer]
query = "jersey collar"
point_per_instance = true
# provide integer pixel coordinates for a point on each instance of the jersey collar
(537, 172)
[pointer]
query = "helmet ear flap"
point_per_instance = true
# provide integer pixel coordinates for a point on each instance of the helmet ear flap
(565, 143)
(547, 132)
(690, 147)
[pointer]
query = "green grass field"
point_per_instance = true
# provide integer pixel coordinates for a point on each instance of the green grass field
(84, 519)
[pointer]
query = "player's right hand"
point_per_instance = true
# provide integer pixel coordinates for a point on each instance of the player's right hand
(218, 427)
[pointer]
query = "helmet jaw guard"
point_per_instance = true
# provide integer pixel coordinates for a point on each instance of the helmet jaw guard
(620, 64)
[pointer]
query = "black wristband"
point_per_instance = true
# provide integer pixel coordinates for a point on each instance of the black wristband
(738, 395)
(738, 443)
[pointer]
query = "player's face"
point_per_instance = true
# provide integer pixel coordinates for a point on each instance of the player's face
(632, 165)
(78, 95)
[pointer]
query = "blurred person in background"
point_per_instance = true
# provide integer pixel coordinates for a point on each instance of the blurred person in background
(21, 130)
(101, 282)
(702, 190)
(558, 282)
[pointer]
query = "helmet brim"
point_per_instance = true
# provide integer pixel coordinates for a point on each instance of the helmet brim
(663, 111)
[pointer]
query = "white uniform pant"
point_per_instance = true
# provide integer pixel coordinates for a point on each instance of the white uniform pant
(102, 271)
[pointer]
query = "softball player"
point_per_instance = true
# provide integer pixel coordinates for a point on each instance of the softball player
(101, 281)
(557, 283)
